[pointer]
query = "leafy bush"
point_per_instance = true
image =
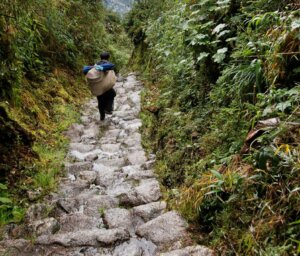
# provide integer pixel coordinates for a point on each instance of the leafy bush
(43, 46)
(214, 69)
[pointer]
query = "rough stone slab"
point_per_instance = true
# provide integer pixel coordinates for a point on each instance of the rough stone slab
(123, 135)
(78, 221)
(111, 148)
(99, 167)
(133, 140)
(66, 204)
(132, 126)
(164, 230)
(89, 176)
(71, 177)
(112, 236)
(72, 189)
(190, 251)
(121, 91)
(125, 193)
(82, 157)
(137, 157)
(118, 218)
(14, 247)
(125, 108)
(121, 188)
(80, 238)
(135, 100)
(81, 147)
(127, 115)
(136, 247)
(112, 133)
(129, 199)
(74, 168)
(121, 100)
(107, 177)
(91, 132)
(93, 237)
(95, 205)
(134, 172)
(74, 132)
(91, 157)
(114, 162)
(149, 211)
(148, 191)
(46, 226)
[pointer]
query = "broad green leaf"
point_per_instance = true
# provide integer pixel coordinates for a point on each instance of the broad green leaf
(231, 39)
(3, 186)
(295, 222)
(283, 106)
(295, 24)
(218, 28)
(5, 200)
(224, 32)
(223, 2)
(217, 174)
(220, 55)
(202, 56)
(268, 110)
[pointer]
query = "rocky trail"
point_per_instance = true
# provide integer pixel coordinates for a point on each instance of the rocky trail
(109, 202)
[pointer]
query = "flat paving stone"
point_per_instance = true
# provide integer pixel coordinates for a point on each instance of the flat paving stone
(164, 230)
(148, 191)
(137, 158)
(118, 218)
(78, 221)
(149, 211)
(73, 168)
(136, 247)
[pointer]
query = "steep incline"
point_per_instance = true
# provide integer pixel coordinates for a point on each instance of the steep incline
(109, 201)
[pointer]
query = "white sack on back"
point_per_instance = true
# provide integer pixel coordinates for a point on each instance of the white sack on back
(100, 81)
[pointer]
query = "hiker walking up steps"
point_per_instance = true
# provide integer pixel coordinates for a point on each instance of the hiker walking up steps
(101, 78)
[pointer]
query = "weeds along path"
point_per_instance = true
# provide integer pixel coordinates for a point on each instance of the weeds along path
(109, 201)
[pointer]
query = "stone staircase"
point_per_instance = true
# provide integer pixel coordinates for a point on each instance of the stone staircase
(109, 202)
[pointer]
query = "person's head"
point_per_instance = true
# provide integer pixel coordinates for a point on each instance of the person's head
(104, 56)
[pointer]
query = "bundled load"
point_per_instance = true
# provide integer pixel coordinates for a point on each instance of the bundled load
(100, 78)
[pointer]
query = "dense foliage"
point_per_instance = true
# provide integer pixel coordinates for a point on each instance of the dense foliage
(215, 71)
(43, 46)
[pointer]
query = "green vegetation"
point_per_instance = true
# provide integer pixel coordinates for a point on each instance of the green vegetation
(43, 46)
(213, 70)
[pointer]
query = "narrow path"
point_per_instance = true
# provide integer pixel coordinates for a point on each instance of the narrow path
(109, 202)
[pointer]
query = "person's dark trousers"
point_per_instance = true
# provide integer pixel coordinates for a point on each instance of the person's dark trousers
(106, 102)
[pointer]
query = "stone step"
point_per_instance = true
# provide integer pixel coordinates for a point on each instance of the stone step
(165, 230)
(92, 237)
(78, 221)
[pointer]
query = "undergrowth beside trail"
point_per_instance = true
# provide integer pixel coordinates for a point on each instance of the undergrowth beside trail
(43, 46)
(221, 112)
